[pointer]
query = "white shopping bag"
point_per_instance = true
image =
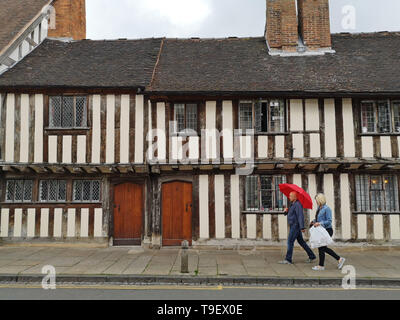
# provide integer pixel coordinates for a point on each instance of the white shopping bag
(319, 237)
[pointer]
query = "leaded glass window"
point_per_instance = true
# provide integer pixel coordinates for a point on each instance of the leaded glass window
(277, 116)
(262, 193)
(67, 112)
(185, 117)
(377, 193)
(19, 190)
(396, 116)
(252, 199)
(86, 191)
(263, 116)
(384, 117)
(380, 116)
(53, 191)
(246, 116)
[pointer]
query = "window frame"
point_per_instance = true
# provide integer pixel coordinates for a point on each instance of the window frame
(23, 191)
(85, 113)
(397, 102)
(92, 181)
(254, 104)
(259, 194)
(360, 199)
(32, 37)
(40, 200)
(390, 103)
(185, 132)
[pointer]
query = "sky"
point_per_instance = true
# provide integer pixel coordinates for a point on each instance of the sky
(134, 19)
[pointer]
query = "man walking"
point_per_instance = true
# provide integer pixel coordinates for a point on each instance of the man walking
(296, 223)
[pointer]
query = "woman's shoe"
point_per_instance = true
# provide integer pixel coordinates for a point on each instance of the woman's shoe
(318, 268)
(341, 263)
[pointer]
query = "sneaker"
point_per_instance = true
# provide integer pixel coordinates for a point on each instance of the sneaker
(284, 262)
(310, 260)
(318, 268)
(341, 263)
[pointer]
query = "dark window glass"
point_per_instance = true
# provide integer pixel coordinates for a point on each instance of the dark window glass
(67, 112)
(19, 190)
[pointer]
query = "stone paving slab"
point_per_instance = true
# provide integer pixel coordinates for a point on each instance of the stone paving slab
(372, 263)
(138, 265)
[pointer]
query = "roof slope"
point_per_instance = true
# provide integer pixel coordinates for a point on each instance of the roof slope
(86, 63)
(362, 63)
(15, 15)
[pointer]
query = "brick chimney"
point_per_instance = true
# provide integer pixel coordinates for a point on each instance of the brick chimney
(298, 26)
(314, 23)
(70, 19)
(281, 29)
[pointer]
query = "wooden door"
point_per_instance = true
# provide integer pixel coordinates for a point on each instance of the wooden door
(128, 214)
(176, 213)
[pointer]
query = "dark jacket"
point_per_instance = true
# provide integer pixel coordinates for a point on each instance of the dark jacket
(296, 215)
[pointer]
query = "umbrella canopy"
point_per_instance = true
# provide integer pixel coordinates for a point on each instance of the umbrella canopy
(302, 196)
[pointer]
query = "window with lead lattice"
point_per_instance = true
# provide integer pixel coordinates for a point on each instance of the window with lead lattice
(53, 191)
(19, 190)
(381, 116)
(67, 112)
(86, 191)
(377, 193)
(185, 117)
(264, 116)
(262, 193)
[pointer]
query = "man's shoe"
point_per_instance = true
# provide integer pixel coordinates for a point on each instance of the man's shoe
(285, 262)
(318, 268)
(341, 263)
(310, 260)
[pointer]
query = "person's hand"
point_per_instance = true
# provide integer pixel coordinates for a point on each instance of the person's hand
(317, 224)
(286, 210)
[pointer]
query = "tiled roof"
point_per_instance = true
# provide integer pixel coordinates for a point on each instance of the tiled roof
(86, 63)
(362, 63)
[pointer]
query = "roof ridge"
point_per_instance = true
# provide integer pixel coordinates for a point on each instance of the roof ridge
(374, 33)
(66, 40)
(210, 39)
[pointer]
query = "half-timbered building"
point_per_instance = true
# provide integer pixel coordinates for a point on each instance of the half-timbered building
(155, 141)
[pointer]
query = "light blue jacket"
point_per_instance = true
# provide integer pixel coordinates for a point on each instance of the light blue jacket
(325, 217)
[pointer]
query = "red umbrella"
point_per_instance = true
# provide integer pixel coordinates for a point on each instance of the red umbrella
(302, 196)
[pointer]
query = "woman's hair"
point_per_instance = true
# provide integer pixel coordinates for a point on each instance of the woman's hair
(321, 199)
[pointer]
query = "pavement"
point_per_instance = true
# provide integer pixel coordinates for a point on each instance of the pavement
(374, 266)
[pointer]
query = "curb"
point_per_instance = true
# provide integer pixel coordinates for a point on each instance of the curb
(192, 280)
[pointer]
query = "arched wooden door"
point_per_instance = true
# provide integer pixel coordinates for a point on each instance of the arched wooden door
(128, 214)
(176, 213)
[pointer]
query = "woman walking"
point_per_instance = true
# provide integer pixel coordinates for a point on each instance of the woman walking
(324, 218)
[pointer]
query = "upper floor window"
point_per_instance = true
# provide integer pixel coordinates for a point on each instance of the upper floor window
(86, 191)
(381, 116)
(53, 190)
(262, 193)
(263, 116)
(67, 112)
(20, 52)
(185, 117)
(32, 36)
(19, 190)
(40, 32)
(377, 193)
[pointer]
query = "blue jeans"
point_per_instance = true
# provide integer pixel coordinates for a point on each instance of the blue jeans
(296, 234)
